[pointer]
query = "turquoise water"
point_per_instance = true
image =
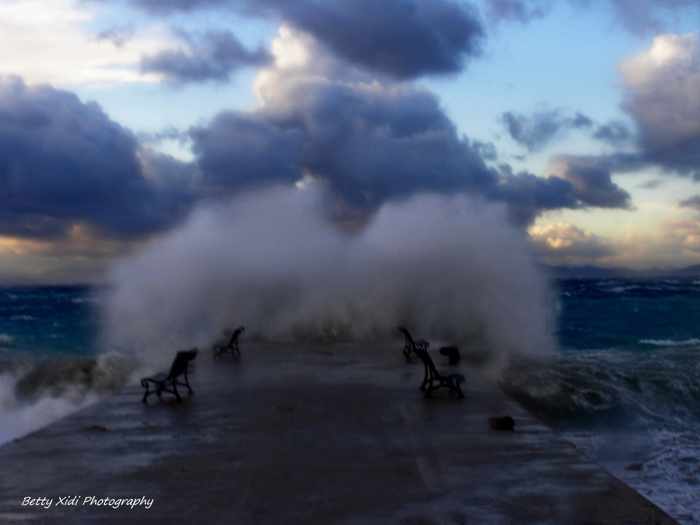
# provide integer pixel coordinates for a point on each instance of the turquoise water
(49, 320)
(626, 384)
(615, 315)
(603, 315)
(49, 365)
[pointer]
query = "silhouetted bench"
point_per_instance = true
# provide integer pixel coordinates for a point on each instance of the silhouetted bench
(169, 382)
(434, 380)
(410, 346)
(232, 345)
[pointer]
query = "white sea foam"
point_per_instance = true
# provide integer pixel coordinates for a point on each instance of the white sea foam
(449, 268)
(670, 342)
(635, 412)
(34, 394)
(21, 417)
(662, 465)
(83, 300)
(623, 289)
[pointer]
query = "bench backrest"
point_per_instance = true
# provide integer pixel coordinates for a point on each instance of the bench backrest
(236, 333)
(181, 362)
(410, 344)
(407, 335)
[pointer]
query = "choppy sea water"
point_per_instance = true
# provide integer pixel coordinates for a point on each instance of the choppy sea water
(625, 386)
(49, 361)
(48, 320)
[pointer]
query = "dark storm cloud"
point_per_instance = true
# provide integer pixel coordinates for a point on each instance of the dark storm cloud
(579, 182)
(662, 100)
(637, 16)
(652, 184)
(692, 202)
(579, 121)
(539, 129)
(64, 162)
(368, 145)
(517, 10)
(662, 96)
(401, 38)
(118, 35)
(528, 195)
(614, 133)
(214, 56)
(404, 38)
(487, 150)
(647, 16)
(31, 226)
(374, 146)
(238, 150)
(592, 180)
(169, 6)
(168, 133)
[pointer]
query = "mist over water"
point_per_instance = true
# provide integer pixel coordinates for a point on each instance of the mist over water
(279, 262)
(451, 268)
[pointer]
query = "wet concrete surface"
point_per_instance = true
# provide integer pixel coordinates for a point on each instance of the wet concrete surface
(303, 434)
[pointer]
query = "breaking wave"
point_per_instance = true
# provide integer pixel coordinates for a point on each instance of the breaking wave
(614, 388)
(33, 394)
(451, 268)
(636, 412)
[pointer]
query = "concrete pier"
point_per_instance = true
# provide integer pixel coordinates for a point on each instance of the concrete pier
(312, 434)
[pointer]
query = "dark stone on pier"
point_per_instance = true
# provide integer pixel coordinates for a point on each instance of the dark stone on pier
(503, 423)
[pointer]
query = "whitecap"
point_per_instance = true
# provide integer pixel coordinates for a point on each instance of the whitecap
(670, 342)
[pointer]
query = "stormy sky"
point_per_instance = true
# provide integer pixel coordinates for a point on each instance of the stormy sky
(118, 118)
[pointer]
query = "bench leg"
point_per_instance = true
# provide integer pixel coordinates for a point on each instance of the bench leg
(146, 394)
(455, 389)
(177, 394)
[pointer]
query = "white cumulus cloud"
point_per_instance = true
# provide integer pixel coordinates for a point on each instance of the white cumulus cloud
(50, 41)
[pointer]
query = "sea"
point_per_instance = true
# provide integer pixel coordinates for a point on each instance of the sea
(624, 385)
(51, 361)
